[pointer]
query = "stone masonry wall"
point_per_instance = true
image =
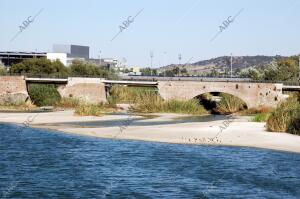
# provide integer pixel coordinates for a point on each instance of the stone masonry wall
(13, 90)
(90, 90)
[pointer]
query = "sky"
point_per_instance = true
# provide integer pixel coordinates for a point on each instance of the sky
(165, 27)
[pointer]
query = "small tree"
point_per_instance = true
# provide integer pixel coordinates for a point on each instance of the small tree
(2, 70)
(40, 66)
(79, 68)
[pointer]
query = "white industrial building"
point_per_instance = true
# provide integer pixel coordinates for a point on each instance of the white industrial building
(66, 54)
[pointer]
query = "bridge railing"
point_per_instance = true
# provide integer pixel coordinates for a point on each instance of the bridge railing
(158, 78)
(57, 76)
(206, 78)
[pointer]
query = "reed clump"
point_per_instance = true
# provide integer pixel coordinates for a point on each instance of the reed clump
(286, 117)
(229, 104)
(149, 103)
(125, 94)
(68, 103)
(100, 109)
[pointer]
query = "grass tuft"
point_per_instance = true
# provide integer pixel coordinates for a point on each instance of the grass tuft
(285, 117)
(229, 104)
(93, 109)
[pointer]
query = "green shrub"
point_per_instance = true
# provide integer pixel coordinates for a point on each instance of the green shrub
(40, 66)
(2, 70)
(257, 111)
(89, 110)
(43, 94)
(229, 104)
(68, 102)
(79, 68)
(261, 117)
(294, 127)
(93, 109)
(284, 117)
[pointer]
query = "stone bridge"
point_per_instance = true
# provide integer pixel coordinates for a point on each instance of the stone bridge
(94, 90)
(253, 94)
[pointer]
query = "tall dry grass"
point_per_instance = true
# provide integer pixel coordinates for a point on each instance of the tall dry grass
(125, 94)
(100, 109)
(229, 104)
(285, 117)
(149, 103)
(68, 103)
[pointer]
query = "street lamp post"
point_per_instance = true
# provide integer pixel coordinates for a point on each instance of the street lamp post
(299, 68)
(100, 57)
(179, 58)
(151, 57)
(231, 66)
(163, 63)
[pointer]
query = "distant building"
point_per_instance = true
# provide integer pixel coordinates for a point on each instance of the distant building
(62, 57)
(72, 51)
(105, 62)
(8, 58)
(136, 71)
(66, 54)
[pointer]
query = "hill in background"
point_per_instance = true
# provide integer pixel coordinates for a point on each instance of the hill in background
(222, 64)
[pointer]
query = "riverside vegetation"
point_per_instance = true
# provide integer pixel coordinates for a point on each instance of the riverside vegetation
(286, 118)
(147, 100)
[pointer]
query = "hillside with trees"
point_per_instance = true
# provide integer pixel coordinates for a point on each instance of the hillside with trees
(221, 65)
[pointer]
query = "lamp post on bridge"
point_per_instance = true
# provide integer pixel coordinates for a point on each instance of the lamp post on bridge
(100, 58)
(151, 57)
(164, 61)
(231, 66)
(179, 58)
(299, 68)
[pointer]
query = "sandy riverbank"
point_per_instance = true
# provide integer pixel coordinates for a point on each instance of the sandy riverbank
(168, 128)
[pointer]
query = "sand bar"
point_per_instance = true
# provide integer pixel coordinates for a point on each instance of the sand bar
(169, 128)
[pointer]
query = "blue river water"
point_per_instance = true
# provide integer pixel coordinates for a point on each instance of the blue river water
(38, 163)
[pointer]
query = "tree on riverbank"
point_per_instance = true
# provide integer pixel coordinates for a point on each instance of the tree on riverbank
(286, 70)
(40, 66)
(48, 68)
(79, 68)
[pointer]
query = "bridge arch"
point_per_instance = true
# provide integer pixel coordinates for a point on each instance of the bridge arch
(210, 102)
(234, 94)
(254, 95)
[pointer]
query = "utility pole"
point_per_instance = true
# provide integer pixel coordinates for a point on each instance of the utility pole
(163, 63)
(151, 57)
(179, 58)
(100, 58)
(231, 66)
(299, 68)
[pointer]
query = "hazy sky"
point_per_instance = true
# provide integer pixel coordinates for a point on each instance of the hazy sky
(264, 27)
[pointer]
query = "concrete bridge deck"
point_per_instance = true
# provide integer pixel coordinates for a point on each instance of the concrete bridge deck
(131, 83)
(153, 81)
(290, 88)
(46, 80)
